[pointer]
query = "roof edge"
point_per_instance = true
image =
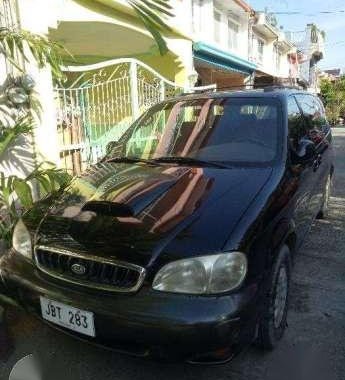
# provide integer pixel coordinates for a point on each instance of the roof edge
(244, 6)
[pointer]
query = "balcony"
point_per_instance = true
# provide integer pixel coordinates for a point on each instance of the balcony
(264, 24)
(284, 44)
(310, 42)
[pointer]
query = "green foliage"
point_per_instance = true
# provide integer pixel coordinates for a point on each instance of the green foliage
(150, 12)
(8, 136)
(315, 31)
(44, 51)
(333, 94)
(17, 110)
(16, 194)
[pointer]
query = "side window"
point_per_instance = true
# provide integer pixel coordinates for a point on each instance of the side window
(295, 122)
(314, 115)
(323, 119)
(307, 104)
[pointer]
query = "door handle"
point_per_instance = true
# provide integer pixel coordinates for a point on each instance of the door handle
(317, 162)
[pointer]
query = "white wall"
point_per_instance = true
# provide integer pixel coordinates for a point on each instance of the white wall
(205, 25)
(269, 63)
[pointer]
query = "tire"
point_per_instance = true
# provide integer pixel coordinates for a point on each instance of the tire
(276, 299)
(323, 213)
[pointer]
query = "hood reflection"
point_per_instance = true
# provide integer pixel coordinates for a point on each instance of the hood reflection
(180, 201)
(138, 198)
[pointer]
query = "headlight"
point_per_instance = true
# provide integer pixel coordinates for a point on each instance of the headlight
(21, 240)
(203, 275)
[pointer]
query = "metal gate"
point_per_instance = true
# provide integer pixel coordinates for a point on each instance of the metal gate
(99, 103)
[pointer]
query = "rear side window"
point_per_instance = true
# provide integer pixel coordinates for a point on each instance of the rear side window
(296, 125)
(307, 104)
(323, 124)
(313, 111)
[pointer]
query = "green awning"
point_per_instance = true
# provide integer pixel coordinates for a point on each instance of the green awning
(222, 59)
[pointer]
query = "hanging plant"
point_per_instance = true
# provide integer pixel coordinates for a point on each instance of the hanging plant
(314, 34)
(16, 106)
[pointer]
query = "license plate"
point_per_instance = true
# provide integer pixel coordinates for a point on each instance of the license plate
(67, 316)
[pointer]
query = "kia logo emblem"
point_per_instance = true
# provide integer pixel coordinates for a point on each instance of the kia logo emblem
(79, 269)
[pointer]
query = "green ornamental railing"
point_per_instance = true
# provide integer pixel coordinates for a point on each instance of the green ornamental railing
(100, 101)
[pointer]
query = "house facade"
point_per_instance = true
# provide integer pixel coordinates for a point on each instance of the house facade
(310, 49)
(114, 70)
(270, 50)
(220, 31)
(235, 46)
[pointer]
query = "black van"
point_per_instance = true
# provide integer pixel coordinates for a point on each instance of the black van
(179, 242)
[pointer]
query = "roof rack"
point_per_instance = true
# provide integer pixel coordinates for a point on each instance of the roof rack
(281, 87)
(265, 88)
(268, 87)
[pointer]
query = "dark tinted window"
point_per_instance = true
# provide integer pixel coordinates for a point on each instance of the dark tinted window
(307, 104)
(297, 128)
(313, 111)
(217, 129)
(323, 123)
(320, 107)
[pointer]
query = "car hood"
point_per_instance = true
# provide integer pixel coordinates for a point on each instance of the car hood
(142, 213)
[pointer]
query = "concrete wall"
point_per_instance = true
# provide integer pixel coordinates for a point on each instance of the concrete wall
(45, 134)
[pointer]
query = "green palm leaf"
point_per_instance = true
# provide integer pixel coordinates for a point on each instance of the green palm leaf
(150, 12)
(44, 51)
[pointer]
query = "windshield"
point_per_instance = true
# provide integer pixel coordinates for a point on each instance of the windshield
(227, 130)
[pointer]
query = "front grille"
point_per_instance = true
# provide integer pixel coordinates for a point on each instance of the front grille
(92, 271)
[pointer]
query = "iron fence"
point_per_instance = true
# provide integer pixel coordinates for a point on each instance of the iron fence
(99, 102)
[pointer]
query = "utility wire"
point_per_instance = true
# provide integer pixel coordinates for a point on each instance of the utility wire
(293, 13)
(327, 45)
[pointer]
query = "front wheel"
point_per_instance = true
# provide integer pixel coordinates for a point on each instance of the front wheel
(274, 315)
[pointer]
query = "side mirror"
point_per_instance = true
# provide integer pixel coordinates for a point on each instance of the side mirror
(306, 150)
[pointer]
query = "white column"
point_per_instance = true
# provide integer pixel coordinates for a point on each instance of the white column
(45, 136)
(184, 51)
(134, 90)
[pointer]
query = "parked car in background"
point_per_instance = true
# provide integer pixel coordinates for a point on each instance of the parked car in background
(180, 242)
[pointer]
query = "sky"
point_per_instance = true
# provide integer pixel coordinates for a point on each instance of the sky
(333, 23)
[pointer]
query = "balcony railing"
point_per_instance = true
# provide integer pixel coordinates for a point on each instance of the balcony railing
(265, 25)
(271, 21)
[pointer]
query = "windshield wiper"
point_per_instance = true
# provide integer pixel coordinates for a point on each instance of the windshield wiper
(189, 161)
(167, 159)
(129, 160)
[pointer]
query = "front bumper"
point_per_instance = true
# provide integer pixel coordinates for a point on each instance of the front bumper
(147, 323)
